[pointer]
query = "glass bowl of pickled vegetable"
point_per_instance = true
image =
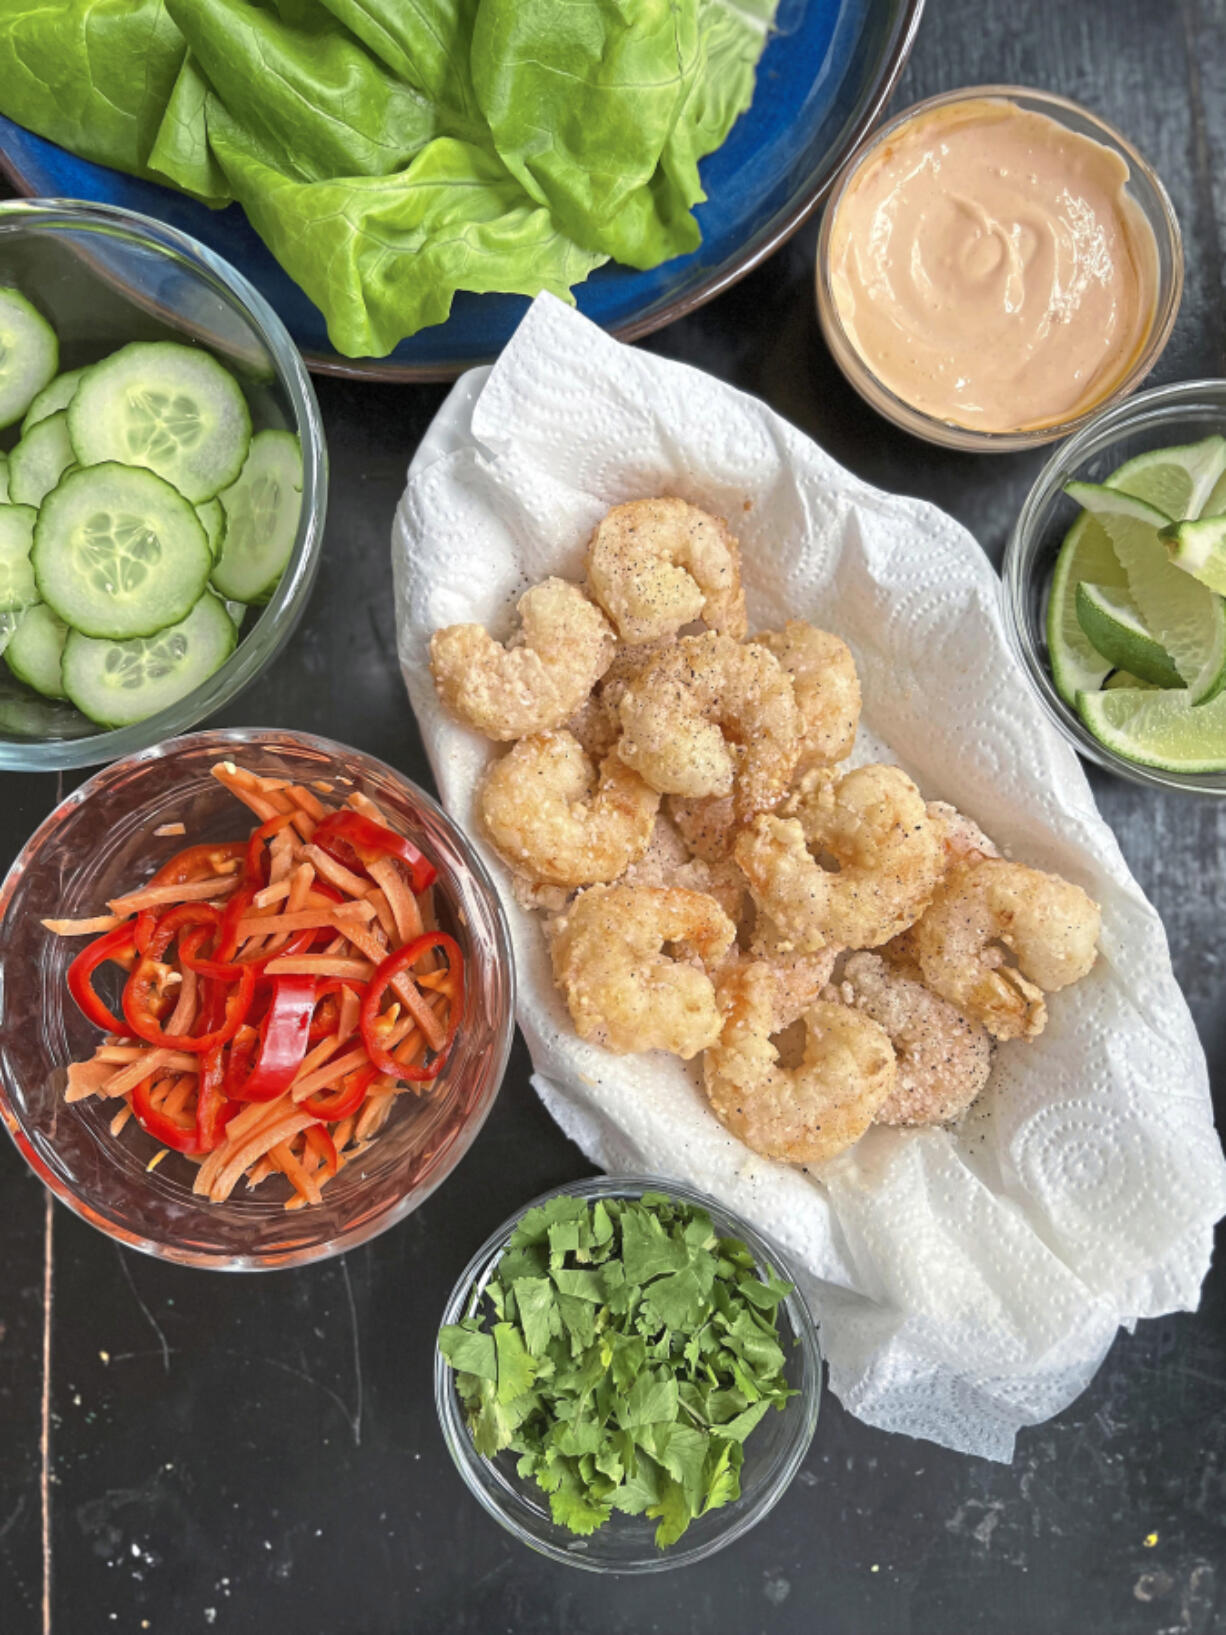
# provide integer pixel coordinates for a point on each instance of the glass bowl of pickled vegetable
(141, 1163)
(163, 483)
(627, 1376)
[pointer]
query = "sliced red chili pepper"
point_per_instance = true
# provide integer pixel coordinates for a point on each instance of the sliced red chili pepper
(324, 1145)
(214, 1109)
(113, 945)
(401, 960)
(173, 921)
(255, 867)
(227, 937)
(142, 1019)
(332, 1105)
(327, 1015)
(365, 833)
(282, 1044)
(198, 862)
(160, 1125)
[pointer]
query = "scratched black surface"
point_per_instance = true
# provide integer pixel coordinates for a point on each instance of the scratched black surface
(261, 1455)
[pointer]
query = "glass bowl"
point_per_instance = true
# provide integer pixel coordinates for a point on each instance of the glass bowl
(626, 1544)
(100, 841)
(1160, 418)
(104, 276)
(1145, 188)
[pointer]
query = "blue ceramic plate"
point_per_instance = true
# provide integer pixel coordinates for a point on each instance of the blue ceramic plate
(821, 82)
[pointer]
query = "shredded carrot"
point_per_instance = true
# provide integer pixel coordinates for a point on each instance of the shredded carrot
(309, 803)
(83, 928)
(328, 1076)
(294, 1173)
(346, 970)
(121, 1118)
(164, 830)
(335, 873)
(191, 891)
(384, 872)
(323, 786)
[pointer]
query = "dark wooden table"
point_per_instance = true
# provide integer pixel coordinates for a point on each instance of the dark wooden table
(261, 1455)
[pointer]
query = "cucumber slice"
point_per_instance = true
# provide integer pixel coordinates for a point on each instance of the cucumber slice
(213, 521)
(40, 460)
(171, 408)
(24, 714)
(29, 354)
(4, 479)
(36, 649)
(52, 398)
(117, 683)
(261, 518)
(119, 553)
(238, 612)
(17, 587)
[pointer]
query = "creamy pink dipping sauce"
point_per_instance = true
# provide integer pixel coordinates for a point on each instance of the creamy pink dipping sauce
(991, 268)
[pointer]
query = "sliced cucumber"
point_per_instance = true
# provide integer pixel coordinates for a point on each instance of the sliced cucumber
(213, 521)
(4, 479)
(261, 518)
(35, 651)
(171, 408)
(118, 552)
(238, 612)
(17, 587)
(24, 715)
(40, 460)
(52, 398)
(29, 354)
(117, 683)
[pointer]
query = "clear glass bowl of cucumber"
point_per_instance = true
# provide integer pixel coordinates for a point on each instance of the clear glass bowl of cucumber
(1115, 587)
(163, 483)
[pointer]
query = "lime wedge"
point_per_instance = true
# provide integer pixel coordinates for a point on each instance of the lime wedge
(1199, 548)
(1087, 553)
(1178, 481)
(1187, 620)
(1110, 620)
(1161, 729)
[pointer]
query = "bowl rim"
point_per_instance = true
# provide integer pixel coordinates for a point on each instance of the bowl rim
(944, 433)
(1103, 429)
(276, 619)
(787, 220)
(498, 1052)
(743, 1514)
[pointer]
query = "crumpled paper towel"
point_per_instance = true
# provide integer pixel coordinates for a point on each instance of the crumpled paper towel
(967, 1281)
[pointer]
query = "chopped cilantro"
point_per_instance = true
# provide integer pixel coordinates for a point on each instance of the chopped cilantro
(624, 1352)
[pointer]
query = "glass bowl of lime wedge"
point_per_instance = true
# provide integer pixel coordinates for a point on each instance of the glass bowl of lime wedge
(1115, 587)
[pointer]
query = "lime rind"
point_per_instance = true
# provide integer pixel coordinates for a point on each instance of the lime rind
(1198, 547)
(1178, 481)
(1113, 626)
(1087, 553)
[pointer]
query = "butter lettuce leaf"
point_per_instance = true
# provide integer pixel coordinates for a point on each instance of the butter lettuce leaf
(181, 152)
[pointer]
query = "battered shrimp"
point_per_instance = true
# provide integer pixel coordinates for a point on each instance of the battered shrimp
(874, 824)
(707, 826)
(944, 1058)
(961, 837)
(709, 716)
(667, 862)
(827, 689)
(1049, 925)
(624, 991)
(655, 565)
(539, 678)
(804, 1114)
(554, 820)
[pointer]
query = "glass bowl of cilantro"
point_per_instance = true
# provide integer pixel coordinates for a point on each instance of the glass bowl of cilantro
(626, 1377)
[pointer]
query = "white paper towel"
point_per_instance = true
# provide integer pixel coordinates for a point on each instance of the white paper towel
(967, 1281)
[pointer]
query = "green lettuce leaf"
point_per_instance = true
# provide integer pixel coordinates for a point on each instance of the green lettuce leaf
(181, 152)
(92, 75)
(383, 256)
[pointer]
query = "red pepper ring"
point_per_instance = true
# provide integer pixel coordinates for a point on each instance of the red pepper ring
(282, 1045)
(160, 1125)
(400, 960)
(361, 831)
(253, 869)
(172, 922)
(112, 945)
(227, 936)
(214, 1109)
(198, 862)
(143, 1022)
(191, 959)
(334, 1105)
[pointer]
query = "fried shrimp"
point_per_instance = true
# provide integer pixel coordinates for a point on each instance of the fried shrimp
(961, 837)
(656, 565)
(827, 689)
(709, 716)
(707, 826)
(555, 820)
(874, 824)
(944, 1058)
(804, 1114)
(667, 862)
(539, 678)
(986, 906)
(625, 991)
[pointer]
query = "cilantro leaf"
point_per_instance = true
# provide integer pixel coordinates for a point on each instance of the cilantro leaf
(516, 1368)
(672, 1510)
(468, 1350)
(538, 1312)
(647, 1249)
(648, 1400)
